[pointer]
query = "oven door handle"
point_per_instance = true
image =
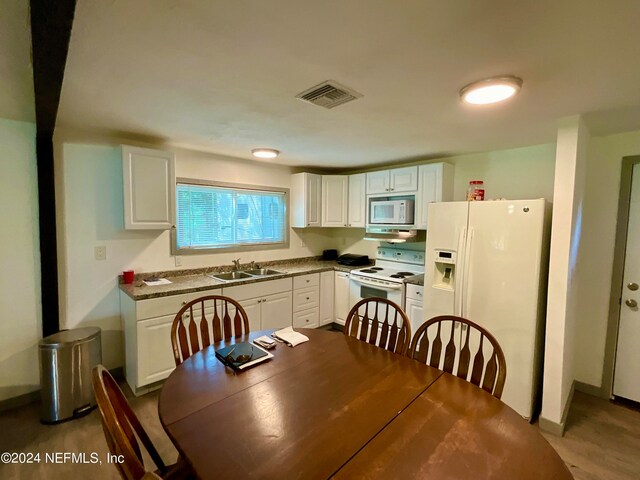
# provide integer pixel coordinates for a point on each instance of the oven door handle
(362, 281)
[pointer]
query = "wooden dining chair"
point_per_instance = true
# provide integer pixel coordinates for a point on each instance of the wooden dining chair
(204, 321)
(467, 344)
(122, 429)
(380, 322)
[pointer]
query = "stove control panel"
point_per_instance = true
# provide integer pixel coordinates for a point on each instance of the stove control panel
(400, 255)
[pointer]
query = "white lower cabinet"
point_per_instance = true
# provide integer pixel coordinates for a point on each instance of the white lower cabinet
(327, 314)
(268, 304)
(413, 305)
(147, 337)
(341, 296)
(276, 311)
(252, 308)
(154, 349)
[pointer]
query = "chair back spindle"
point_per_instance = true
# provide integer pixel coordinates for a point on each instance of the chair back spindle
(379, 322)
(204, 321)
(467, 346)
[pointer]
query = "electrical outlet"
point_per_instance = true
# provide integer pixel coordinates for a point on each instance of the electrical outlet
(178, 260)
(100, 253)
(302, 245)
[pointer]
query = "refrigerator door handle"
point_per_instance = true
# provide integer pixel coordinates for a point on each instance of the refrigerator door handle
(459, 282)
(467, 274)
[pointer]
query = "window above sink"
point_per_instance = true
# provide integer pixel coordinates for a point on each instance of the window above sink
(213, 217)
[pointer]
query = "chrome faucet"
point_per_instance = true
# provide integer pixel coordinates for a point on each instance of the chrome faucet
(236, 264)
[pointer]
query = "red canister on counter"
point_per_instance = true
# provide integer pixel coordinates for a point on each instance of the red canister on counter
(475, 191)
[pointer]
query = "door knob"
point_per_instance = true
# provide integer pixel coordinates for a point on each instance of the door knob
(631, 303)
(632, 286)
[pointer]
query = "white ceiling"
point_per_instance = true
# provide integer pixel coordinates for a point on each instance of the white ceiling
(16, 73)
(221, 76)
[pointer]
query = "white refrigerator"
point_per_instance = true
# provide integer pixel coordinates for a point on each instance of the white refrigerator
(487, 262)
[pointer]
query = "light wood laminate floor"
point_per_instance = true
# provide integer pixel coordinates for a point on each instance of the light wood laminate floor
(602, 441)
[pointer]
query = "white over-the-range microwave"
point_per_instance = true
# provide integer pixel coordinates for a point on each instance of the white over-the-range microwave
(391, 212)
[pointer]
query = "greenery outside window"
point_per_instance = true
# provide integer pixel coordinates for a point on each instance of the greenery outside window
(214, 217)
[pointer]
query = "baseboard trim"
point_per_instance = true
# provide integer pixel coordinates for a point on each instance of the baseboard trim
(591, 390)
(19, 401)
(556, 428)
(32, 397)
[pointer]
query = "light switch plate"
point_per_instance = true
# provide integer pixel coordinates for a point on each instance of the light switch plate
(100, 253)
(178, 260)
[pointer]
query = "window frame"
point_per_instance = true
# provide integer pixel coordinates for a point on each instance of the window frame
(237, 247)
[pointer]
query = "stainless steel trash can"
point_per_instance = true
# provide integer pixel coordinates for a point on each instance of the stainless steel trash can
(66, 361)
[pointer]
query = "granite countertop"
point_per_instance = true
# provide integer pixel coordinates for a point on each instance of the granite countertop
(186, 281)
(415, 280)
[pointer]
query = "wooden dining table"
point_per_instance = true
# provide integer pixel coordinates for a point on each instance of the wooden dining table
(337, 407)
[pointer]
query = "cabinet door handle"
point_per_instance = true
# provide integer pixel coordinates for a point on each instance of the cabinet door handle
(307, 298)
(184, 303)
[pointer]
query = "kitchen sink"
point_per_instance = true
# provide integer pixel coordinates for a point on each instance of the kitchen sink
(229, 276)
(259, 272)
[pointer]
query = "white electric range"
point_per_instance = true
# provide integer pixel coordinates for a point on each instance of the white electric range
(386, 278)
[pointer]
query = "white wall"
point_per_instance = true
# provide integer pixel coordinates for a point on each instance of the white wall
(91, 182)
(599, 226)
(563, 294)
(20, 312)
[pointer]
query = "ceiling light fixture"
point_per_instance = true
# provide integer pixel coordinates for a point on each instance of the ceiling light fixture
(265, 152)
(491, 90)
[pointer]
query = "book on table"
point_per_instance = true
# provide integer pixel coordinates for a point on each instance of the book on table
(242, 355)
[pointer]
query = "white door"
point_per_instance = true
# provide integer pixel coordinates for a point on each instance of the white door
(155, 354)
(149, 188)
(342, 296)
(334, 200)
(442, 281)
(502, 268)
(626, 381)
(277, 310)
(377, 182)
(313, 199)
(252, 308)
(403, 179)
(326, 297)
(415, 313)
(430, 191)
(357, 200)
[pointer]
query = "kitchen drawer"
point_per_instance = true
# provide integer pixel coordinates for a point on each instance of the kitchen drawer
(157, 307)
(304, 281)
(415, 292)
(258, 289)
(307, 318)
(306, 298)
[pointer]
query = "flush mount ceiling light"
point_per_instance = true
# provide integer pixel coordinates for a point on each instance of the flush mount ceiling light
(491, 90)
(265, 152)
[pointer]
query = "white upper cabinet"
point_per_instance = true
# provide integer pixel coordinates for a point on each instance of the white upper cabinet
(377, 182)
(306, 196)
(149, 188)
(397, 180)
(335, 192)
(436, 185)
(357, 200)
(403, 179)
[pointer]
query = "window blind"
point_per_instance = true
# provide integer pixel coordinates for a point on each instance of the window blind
(217, 217)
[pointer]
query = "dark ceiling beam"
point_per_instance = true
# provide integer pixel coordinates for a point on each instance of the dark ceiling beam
(51, 22)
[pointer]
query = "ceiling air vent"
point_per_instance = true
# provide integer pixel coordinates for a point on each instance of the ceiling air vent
(328, 94)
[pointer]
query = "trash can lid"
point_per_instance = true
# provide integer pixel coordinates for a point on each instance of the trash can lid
(67, 338)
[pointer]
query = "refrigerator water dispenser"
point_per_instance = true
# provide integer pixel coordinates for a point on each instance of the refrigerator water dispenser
(445, 268)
